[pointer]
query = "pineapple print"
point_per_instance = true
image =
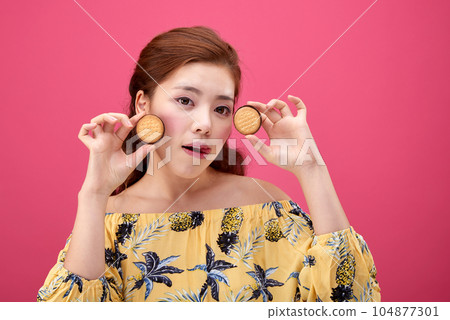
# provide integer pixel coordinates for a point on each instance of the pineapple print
(231, 223)
(232, 220)
(346, 271)
(130, 217)
(181, 221)
(272, 230)
(344, 278)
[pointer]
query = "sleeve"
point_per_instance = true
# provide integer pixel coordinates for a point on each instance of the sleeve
(61, 285)
(338, 267)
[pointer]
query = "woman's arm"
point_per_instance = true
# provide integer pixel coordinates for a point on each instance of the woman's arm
(323, 203)
(86, 254)
(108, 168)
(290, 140)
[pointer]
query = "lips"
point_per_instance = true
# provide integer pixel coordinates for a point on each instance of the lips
(202, 149)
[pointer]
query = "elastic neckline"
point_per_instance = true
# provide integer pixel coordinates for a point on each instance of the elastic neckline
(204, 211)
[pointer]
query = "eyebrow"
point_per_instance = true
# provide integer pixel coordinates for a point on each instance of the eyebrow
(199, 92)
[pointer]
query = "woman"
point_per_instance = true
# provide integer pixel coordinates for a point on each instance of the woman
(176, 230)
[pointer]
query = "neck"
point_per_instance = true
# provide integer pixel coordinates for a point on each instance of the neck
(164, 184)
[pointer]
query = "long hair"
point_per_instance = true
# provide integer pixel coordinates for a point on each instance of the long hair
(164, 54)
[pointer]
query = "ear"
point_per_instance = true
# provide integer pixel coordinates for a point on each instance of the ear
(142, 102)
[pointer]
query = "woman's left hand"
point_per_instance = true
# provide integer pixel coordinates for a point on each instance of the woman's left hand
(287, 133)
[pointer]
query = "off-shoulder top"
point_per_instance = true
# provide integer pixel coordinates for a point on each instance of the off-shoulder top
(258, 252)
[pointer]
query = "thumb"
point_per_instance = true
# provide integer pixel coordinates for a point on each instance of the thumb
(136, 157)
(260, 146)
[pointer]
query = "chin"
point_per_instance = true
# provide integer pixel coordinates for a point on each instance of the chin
(189, 171)
(183, 166)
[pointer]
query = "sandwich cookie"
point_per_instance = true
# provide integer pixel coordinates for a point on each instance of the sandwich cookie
(150, 128)
(247, 120)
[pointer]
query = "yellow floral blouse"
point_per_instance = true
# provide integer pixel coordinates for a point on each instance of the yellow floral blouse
(260, 252)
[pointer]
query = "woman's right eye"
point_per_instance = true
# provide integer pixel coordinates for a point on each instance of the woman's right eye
(183, 99)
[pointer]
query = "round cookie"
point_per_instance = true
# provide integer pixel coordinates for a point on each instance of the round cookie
(150, 128)
(247, 119)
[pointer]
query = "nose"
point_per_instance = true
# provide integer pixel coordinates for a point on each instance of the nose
(202, 123)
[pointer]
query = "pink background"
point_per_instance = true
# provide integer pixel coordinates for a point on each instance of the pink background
(378, 107)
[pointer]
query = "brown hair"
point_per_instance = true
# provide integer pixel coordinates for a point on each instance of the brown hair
(164, 54)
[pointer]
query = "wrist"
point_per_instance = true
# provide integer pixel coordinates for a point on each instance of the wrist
(308, 158)
(93, 186)
(88, 192)
(307, 167)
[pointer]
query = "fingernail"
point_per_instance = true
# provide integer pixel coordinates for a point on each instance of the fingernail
(112, 118)
(129, 123)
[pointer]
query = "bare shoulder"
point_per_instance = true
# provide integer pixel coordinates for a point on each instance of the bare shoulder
(258, 190)
(273, 192)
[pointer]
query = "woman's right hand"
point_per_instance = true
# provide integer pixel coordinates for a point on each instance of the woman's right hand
(108, 165)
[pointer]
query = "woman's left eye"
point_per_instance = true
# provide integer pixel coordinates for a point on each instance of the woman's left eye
(224, 110)
(185, 99)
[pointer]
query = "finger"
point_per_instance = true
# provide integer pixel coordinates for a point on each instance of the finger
(97, 130)
(123, 131)
(260, 146)
(84, 136)
(282, 106)
(301, 108)
(272, 114)
(266, 123)
(134, 119)
(123, 118)
(99, 120)
(136, 157)
(113, 118)
(109, 121)
(109, 124)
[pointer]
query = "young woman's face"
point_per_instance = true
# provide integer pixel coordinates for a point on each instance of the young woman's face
(197, 111)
